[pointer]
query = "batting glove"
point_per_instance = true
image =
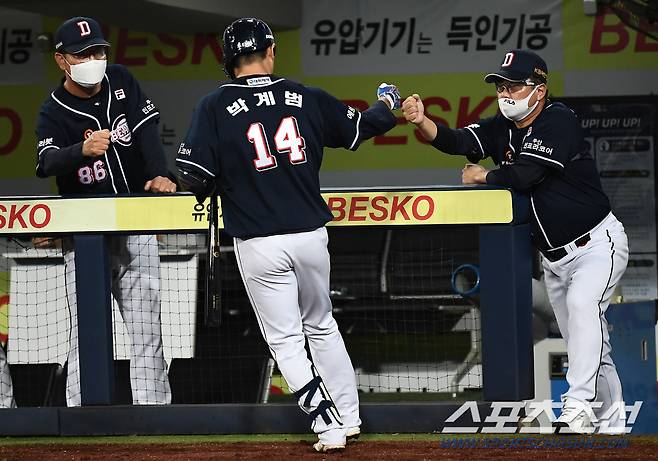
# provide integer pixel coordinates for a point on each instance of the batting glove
(391, 93)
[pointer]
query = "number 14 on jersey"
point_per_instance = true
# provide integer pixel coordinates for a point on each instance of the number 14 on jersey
(287, 140)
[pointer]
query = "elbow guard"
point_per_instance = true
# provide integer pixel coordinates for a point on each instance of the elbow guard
(199, 184)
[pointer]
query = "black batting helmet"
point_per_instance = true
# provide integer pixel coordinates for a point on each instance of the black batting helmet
(244, 36)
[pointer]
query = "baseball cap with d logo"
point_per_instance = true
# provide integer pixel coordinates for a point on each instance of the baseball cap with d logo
(77, 34)
(520, 65)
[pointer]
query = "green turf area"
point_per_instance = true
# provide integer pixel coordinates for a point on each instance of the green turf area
(265, 438)
(182, 439)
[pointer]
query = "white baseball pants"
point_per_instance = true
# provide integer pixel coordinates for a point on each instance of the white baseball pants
(6, 388)
(579, 287)
(287, 280)
(135, 266)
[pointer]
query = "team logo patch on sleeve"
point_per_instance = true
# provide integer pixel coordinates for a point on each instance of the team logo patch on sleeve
(121, 131)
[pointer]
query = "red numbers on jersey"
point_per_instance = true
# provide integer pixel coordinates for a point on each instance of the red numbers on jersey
(287, 140)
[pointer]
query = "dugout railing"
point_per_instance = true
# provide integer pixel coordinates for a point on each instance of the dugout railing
(505, 263)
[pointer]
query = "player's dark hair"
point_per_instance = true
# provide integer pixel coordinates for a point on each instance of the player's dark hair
(249, 58)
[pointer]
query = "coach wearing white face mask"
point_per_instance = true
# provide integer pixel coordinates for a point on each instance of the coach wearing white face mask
(85, 63)
(97, 133)
(539, 149)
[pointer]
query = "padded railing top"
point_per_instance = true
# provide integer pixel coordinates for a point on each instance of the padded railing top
(439, 205)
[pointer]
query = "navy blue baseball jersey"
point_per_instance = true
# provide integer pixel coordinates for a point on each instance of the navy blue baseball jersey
(261, 138)
(135, 154)
(549, 160)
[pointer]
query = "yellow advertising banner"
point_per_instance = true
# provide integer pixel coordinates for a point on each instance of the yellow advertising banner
(4, 305)
(181, 212)
(108, 214)
(455, 97)
(455, 100)
(604, 41)
(463, 206)
(19, 106)
(151, 56)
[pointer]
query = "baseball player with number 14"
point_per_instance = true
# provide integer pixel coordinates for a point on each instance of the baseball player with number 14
(539, 148)
(258, 140)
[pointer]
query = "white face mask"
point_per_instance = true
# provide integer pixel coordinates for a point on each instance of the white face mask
(88, 73)
(517, 109)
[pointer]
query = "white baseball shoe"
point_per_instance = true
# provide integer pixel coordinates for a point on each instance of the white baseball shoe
(322, 448)
(353, 433)
(573, 420)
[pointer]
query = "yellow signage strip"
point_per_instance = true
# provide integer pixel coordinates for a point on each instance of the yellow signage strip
(181, 212)
(463, 206)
